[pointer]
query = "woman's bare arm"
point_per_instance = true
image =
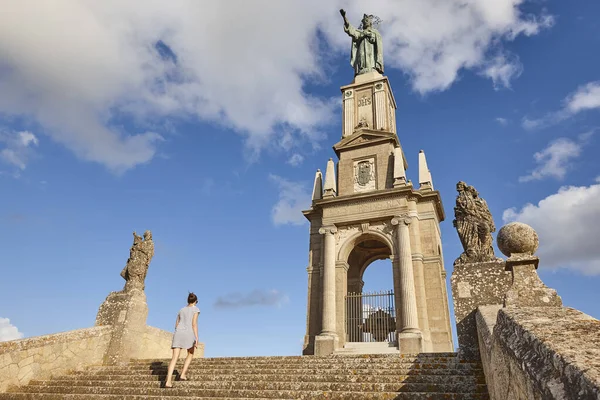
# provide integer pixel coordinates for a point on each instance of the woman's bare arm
(195, 326)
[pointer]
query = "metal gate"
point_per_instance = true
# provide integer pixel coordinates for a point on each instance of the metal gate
(370, 317)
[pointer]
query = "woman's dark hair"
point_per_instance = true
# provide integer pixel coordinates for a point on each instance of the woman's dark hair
(192, 298)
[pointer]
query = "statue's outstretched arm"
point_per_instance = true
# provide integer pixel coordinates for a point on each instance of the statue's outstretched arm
(346, 23)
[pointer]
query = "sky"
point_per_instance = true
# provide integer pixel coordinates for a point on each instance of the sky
(206, 122)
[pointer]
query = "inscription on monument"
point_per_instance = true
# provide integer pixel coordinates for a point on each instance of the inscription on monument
(365, 101)
(391, 206)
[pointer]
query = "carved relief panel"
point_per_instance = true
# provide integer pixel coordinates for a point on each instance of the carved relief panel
(364, 107)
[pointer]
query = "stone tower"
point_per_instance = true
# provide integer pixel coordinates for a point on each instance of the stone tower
(370, 211)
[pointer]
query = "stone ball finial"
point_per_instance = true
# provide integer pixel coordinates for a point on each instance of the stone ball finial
(517, 238)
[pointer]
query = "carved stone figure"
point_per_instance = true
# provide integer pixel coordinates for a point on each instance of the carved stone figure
(474, 224)
(367, 46)
(140, 255)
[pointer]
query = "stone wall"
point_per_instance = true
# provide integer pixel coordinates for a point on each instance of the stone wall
(43, 356)
(156, 343)
(539, 352)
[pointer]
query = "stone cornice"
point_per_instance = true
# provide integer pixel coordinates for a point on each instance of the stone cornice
(377, 137)
(385, 194)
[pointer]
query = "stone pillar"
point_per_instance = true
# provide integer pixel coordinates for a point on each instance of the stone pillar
(409, 338)
(327, 341)
(126, 311)
(419, 275)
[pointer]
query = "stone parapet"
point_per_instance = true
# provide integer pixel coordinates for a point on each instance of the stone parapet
(539, 353)
(156, 343)
(43, 356)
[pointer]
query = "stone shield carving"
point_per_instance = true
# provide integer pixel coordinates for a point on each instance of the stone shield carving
(364, 175)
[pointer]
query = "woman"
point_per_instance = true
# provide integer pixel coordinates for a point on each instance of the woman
(185, 337)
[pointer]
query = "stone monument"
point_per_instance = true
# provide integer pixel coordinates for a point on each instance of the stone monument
(370, 211)
(479, 277)
(127, 309)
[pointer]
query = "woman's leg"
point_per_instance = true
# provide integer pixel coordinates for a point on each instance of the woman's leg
(176, 352)
(187, 362)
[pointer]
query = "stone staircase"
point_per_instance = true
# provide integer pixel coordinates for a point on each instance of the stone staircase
(382, 376)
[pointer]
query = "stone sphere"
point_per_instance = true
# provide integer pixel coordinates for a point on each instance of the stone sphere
(517, 237)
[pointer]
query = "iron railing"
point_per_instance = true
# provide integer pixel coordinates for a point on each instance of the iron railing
(370, 317)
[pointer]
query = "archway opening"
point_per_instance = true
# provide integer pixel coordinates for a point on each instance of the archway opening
(370, 311)
(378, 276)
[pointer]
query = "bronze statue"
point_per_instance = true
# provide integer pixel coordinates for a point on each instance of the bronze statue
(367, 45)
(140, 255)
(474, 224)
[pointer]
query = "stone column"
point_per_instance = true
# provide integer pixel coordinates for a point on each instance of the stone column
(409, 338)
(419, 275)
(327, 341)
(341, 289)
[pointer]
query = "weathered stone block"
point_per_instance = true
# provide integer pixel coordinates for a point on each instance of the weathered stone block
(474, 285)
(540, 353)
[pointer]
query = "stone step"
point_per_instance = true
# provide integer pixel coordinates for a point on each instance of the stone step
(353, 396)
(344, 358)
(268, 385)
(274, 358)
(181, 392)
(391, 378)
(66, 396)
(285, 371)
(325, 365)
(317, 363)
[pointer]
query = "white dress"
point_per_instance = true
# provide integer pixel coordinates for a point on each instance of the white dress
(184, 337)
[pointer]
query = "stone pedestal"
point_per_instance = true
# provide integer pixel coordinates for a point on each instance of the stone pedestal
(127, 312)
(326, 344)
(474, 285)
(368, 103)
(527, 289)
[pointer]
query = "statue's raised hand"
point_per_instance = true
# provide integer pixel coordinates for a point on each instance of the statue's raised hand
(343, 13)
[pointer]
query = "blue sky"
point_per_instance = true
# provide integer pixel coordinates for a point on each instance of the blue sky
(211, 140)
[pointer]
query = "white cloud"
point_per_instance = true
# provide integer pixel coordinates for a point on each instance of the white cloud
(586, 97)
(294, 197)
(77, 67)
(554, 160)
(295, 160)
(502, 70)
(502, 121)
(568, 225)
(17, 148)
(8, 331)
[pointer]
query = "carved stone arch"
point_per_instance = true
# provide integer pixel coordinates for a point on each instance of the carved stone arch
(348, 245)
(368, 262)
